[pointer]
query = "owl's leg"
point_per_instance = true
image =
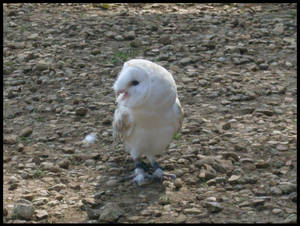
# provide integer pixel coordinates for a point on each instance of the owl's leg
(159, 173)
(140, 173)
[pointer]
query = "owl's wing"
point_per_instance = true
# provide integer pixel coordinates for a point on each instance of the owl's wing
(123, 123)
(178, 114)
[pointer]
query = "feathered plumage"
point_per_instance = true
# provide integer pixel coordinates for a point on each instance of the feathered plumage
(148, 112)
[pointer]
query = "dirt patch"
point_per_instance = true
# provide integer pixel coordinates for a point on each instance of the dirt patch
(235, 157)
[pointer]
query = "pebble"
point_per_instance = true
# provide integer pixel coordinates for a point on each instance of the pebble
(64, 164)
(192, 211)
(57, 187)
(20, 147)
(26, 132)
(291, 219)
(247, 110)
(213, 207)
(275, 191)
(234, 179)
(41, 66)
(41, 214)
(39, 201)
(262, 164)
(185, 61)
(165, 39)
(178, 183)
(112, 182)
(287, 187)
(282, 147)
(129, 35)
(92, 213)
(81, 111)
(276, 211)
(263, 66)
(181, 218)
(10, 139)
(266, 112)
(226, 126)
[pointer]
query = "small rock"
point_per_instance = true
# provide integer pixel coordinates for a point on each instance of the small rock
(165, 39)
(12, 180)
(119, 38)
(13, 186)
(41, 214)
(226, 126)
(111, 182)
(164, 200)
(41, 66)
(234, 179)
(247, 110)
(265, 112)
(279, 29)
(275, 191)
(5, 211)
(29, 196)
(261, 164)
(185, 61)
(178, 183)
(277, 211)
(20, 147)
(92, 213)
(57, 187)
(287, 187)
(213, 207)
(10, 139)
(257, 202)
(26, 132)
(192, 211)
(291, 219)
(282, 147)
(40, 201)
(129, 35)
(293, 196)
(135, 43)
(263, 66)
(64, 164)
(81, 111)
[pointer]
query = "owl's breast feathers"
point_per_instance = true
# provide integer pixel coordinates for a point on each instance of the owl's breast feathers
(122, 123)
(125, 120)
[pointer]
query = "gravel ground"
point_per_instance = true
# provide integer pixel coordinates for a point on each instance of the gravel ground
(235, 157)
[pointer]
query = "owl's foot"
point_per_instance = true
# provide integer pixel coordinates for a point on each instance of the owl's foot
(159, 174)
(141, 177)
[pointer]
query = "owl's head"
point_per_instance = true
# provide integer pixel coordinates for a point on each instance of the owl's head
(143, 84)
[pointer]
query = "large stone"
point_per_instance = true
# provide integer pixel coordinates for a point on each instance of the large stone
(23, 209)
(110, 212)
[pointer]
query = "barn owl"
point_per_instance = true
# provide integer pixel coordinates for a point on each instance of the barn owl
(148, 114)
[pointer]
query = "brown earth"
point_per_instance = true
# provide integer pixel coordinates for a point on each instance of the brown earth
(235, 157)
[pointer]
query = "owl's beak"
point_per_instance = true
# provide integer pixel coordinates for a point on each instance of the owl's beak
(121, 95)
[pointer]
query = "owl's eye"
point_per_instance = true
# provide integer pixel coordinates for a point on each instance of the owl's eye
(134, 83)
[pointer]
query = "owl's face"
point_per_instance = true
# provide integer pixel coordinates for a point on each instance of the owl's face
(131, 87)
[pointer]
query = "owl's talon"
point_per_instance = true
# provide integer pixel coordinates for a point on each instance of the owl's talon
(141, 179)
(159, 174)
(140, 176)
